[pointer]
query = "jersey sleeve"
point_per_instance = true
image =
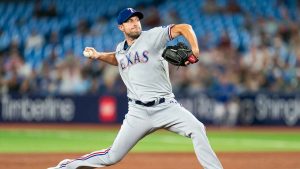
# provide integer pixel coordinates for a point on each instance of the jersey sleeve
(160, 36)
(119, 47)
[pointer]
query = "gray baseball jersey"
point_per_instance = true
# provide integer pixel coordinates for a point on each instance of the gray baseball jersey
(143, 70)
(146, 76)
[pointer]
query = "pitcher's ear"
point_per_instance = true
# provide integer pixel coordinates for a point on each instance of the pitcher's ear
(121, 27)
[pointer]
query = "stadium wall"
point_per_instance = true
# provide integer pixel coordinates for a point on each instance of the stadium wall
(214, 109)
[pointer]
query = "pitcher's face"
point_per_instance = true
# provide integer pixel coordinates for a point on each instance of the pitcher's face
(132, 27)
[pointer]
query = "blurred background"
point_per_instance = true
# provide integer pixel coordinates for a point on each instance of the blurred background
(248, 74)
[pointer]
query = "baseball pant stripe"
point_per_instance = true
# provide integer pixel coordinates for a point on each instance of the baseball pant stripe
(99, 153)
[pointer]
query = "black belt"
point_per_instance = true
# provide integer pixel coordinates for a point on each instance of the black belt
(148, 104)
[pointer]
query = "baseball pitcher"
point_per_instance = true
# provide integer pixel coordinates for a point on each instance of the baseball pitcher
(142, 59)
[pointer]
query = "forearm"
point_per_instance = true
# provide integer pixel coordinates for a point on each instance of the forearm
(188, 33)
(190, 36)
(108, 57)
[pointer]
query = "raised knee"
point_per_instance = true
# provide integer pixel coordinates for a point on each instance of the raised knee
(202, 127)
(199, 128)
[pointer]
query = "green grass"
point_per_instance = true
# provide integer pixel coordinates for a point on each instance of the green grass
(255, 142)
(24, 141)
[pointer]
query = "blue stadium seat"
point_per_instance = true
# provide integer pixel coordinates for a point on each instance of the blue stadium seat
(69, 18)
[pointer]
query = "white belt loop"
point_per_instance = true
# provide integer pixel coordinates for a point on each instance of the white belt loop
(156, 100)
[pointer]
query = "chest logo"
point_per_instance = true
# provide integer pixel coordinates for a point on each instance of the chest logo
(133, 58)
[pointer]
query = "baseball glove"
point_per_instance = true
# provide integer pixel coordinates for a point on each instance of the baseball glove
(179, 54)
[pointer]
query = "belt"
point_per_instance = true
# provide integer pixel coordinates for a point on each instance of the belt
(148, 104)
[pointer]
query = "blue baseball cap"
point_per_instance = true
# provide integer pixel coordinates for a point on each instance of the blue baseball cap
(125, 14)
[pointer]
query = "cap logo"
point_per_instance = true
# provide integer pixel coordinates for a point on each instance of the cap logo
(131, 10)
(126, 13)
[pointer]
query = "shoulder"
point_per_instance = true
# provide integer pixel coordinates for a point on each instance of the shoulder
(159, 28)
(164, 30)
(156, 31)
(120, 46)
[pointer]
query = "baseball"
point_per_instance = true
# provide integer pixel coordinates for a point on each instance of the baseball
(87, 53)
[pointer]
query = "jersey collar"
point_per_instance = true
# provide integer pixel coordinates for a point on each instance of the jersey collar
(126, 46)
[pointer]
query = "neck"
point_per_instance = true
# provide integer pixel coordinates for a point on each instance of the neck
(129, 41)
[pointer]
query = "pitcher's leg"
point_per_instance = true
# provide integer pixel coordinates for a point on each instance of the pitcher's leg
(183, 122)
(133, 129)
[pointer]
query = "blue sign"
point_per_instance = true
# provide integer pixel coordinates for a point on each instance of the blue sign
(244, 110)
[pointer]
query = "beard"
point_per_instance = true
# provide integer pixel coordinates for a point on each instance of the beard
(134, 35)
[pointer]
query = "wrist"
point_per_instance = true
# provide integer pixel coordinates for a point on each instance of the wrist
(196, 52)
(98, 55)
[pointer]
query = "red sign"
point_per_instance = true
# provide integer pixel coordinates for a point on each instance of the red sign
(107, 109)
